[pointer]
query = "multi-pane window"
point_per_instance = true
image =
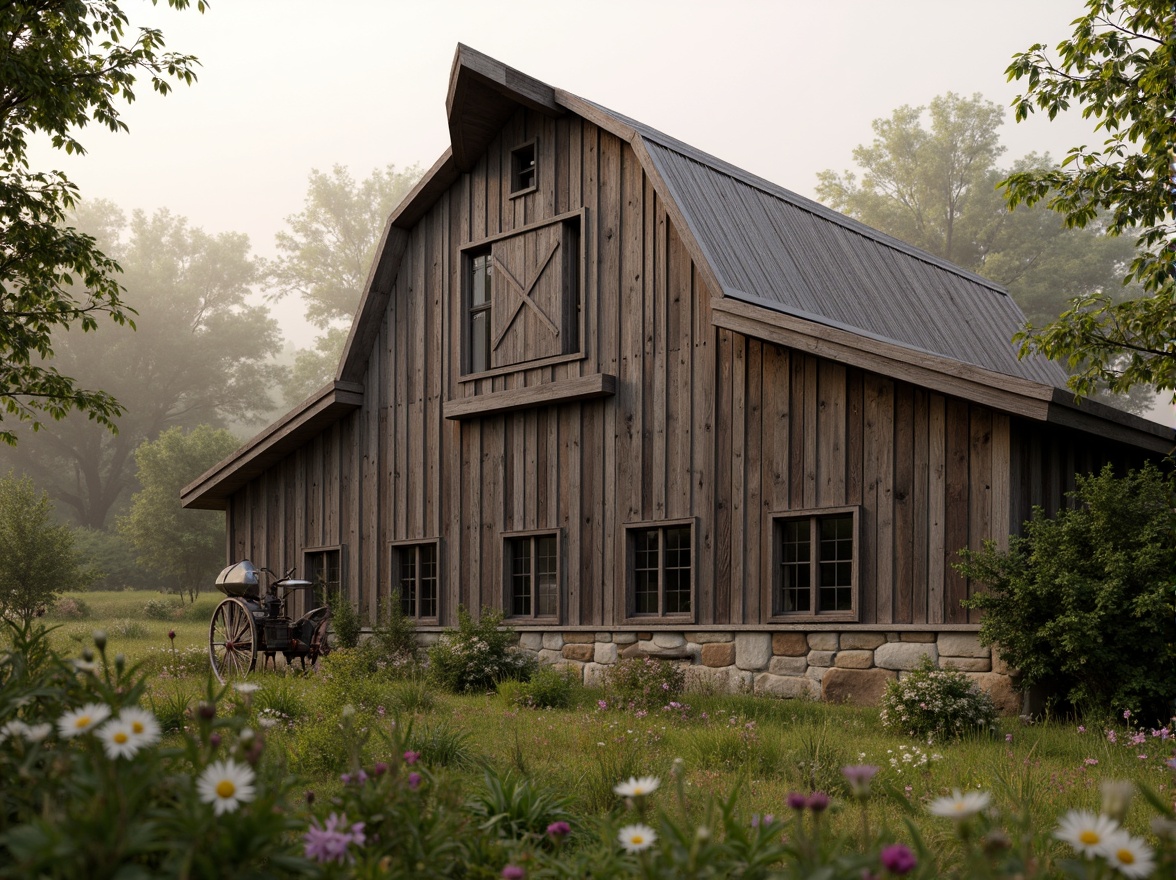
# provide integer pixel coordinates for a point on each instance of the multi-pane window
(533, 575)
(481, 267)
(322, 570)
(660, 570)
(815, 564)
(414, 571)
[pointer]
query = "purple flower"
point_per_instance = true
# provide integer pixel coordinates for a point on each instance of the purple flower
(767, 820)
(898, 859)
(818, 801)
(513, 872)
(558, 830)
(414, 781)
(329, 842)
(601, 704)
(411, 758)
(859, 776)
(379, 769)
(1008, 737)
(796, 800)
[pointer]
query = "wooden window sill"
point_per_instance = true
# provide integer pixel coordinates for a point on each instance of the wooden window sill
(565, 391)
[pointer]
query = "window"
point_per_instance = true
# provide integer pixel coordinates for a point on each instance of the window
(660, 564)
(521, 297)
(414, 577)
(322, 570)
(481, 280)
(816, 565)
(532, 575)
(522, 169)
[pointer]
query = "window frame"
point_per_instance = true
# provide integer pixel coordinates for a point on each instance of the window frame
(308, 552)
(773, 584)
(517, 170)
(632, 530)
(531, 535)
(396, 549)
(573, 303)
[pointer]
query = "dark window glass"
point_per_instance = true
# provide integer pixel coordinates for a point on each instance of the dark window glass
(416, 579)
(481, 288)
(815, 564)
(534, 576)
(522, 166)
(661, 576)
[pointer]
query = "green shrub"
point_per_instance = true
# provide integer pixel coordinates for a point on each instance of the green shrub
(548, 688)
(936, 703)
(477, 655)
(413, 696)
(161, 609)
(127, 629)
(644, 683)
(514, 807)
(394, 636)
(71, 608)
(346, 624)
(1082, 604)
(441, 744)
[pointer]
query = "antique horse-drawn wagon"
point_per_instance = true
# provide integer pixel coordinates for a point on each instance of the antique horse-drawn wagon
(247, 622)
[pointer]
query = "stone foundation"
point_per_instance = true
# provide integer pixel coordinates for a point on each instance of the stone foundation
(841, 667)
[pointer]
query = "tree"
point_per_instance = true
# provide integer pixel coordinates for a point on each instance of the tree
(937, 187)
(37, 559)
(200, 355)
(63, 64)
(325, 257)
(1120, 66)
(185, 547)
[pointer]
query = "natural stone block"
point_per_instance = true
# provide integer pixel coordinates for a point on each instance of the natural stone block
(854, 659)
(788, 665)
(594, 674)
(789, 644)
(1000, 687)
(669, 640)
(531, 642)
(922, 638)
(961, 645)
(644, 637)
(652, 649)
(904, 655)
(787, 686)
(605, 652)
(999, 665)
(859, 687)
(624, 638)
(704, 638)
(548, 656)
(859, 641)
(578, 638)
(816, 673)
(718, 654)
(822, 641)
(633, 650)
(821, 658)
(602, 637)
(753, 650)
(966, 664)
(581, 653)
(553, 641)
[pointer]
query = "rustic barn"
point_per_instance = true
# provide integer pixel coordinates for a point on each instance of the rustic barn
(645, 402)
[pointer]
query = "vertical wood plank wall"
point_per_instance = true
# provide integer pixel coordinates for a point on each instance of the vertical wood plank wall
(706, 423)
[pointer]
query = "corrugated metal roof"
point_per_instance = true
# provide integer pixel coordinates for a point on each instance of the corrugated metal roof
(774, 248)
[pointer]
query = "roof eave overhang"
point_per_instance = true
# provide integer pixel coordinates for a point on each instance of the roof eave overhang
(213, 489)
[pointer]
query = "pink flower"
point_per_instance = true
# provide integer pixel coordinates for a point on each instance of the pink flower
(411, 757)
(513, 872)
(796, 800)
(818, 801)
(1081, 729)
(558, 830)
(1091, 762)
(1008, 737)
(1112, 737)
(898, 859)
(329, 842)
(414, 781)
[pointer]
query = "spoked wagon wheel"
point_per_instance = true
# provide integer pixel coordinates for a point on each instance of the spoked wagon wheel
(232, 640)
(320, 646)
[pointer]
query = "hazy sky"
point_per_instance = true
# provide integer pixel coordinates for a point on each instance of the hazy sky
(783, 89)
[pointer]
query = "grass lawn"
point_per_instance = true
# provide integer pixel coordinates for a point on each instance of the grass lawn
(766, 747)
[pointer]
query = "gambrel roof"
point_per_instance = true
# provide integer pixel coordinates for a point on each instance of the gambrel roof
(786, 269)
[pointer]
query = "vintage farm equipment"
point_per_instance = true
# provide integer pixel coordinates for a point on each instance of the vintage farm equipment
(248, 623)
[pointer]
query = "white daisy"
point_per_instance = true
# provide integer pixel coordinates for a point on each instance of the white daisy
(1086, 831)
(80, 720)
(1129, 855)
(246, 687)
(118, 739)
(226, 785)
(144, 727)
(635, 838)
(37, 732)
(637, 787)
(959, 805)
(15, 728)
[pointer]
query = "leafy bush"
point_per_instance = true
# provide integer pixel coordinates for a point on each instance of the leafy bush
(394, 636)
(477, 655)
(936, 703)
(548, 688)
(112, 561)
(346, 624)
(125, 628)
(513, 807)
(1082, 604)
(161, 609)
(644, 683)
(71, 608)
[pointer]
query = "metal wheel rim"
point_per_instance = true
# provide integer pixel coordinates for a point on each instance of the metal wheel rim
(232, 640)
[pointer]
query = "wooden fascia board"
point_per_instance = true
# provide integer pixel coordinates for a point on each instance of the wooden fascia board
(428, 189)
(514, 84)
(365, 327)
(565, 391)
(1096, 418)
(334, 397)
(1005, 393)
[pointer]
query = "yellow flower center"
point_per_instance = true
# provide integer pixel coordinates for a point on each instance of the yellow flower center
(1090, 838)
(83, 722)
(637, 839)
(1125, 856)
(120, 737)
(137, 726)
(225, 788)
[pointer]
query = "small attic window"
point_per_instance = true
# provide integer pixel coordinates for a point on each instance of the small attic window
(522, 169)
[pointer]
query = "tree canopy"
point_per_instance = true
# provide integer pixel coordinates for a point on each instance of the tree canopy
(201, 354)
(1119, 66)
(63, 65)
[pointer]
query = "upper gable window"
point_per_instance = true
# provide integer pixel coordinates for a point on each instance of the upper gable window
(523, 178)
(521, 297)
